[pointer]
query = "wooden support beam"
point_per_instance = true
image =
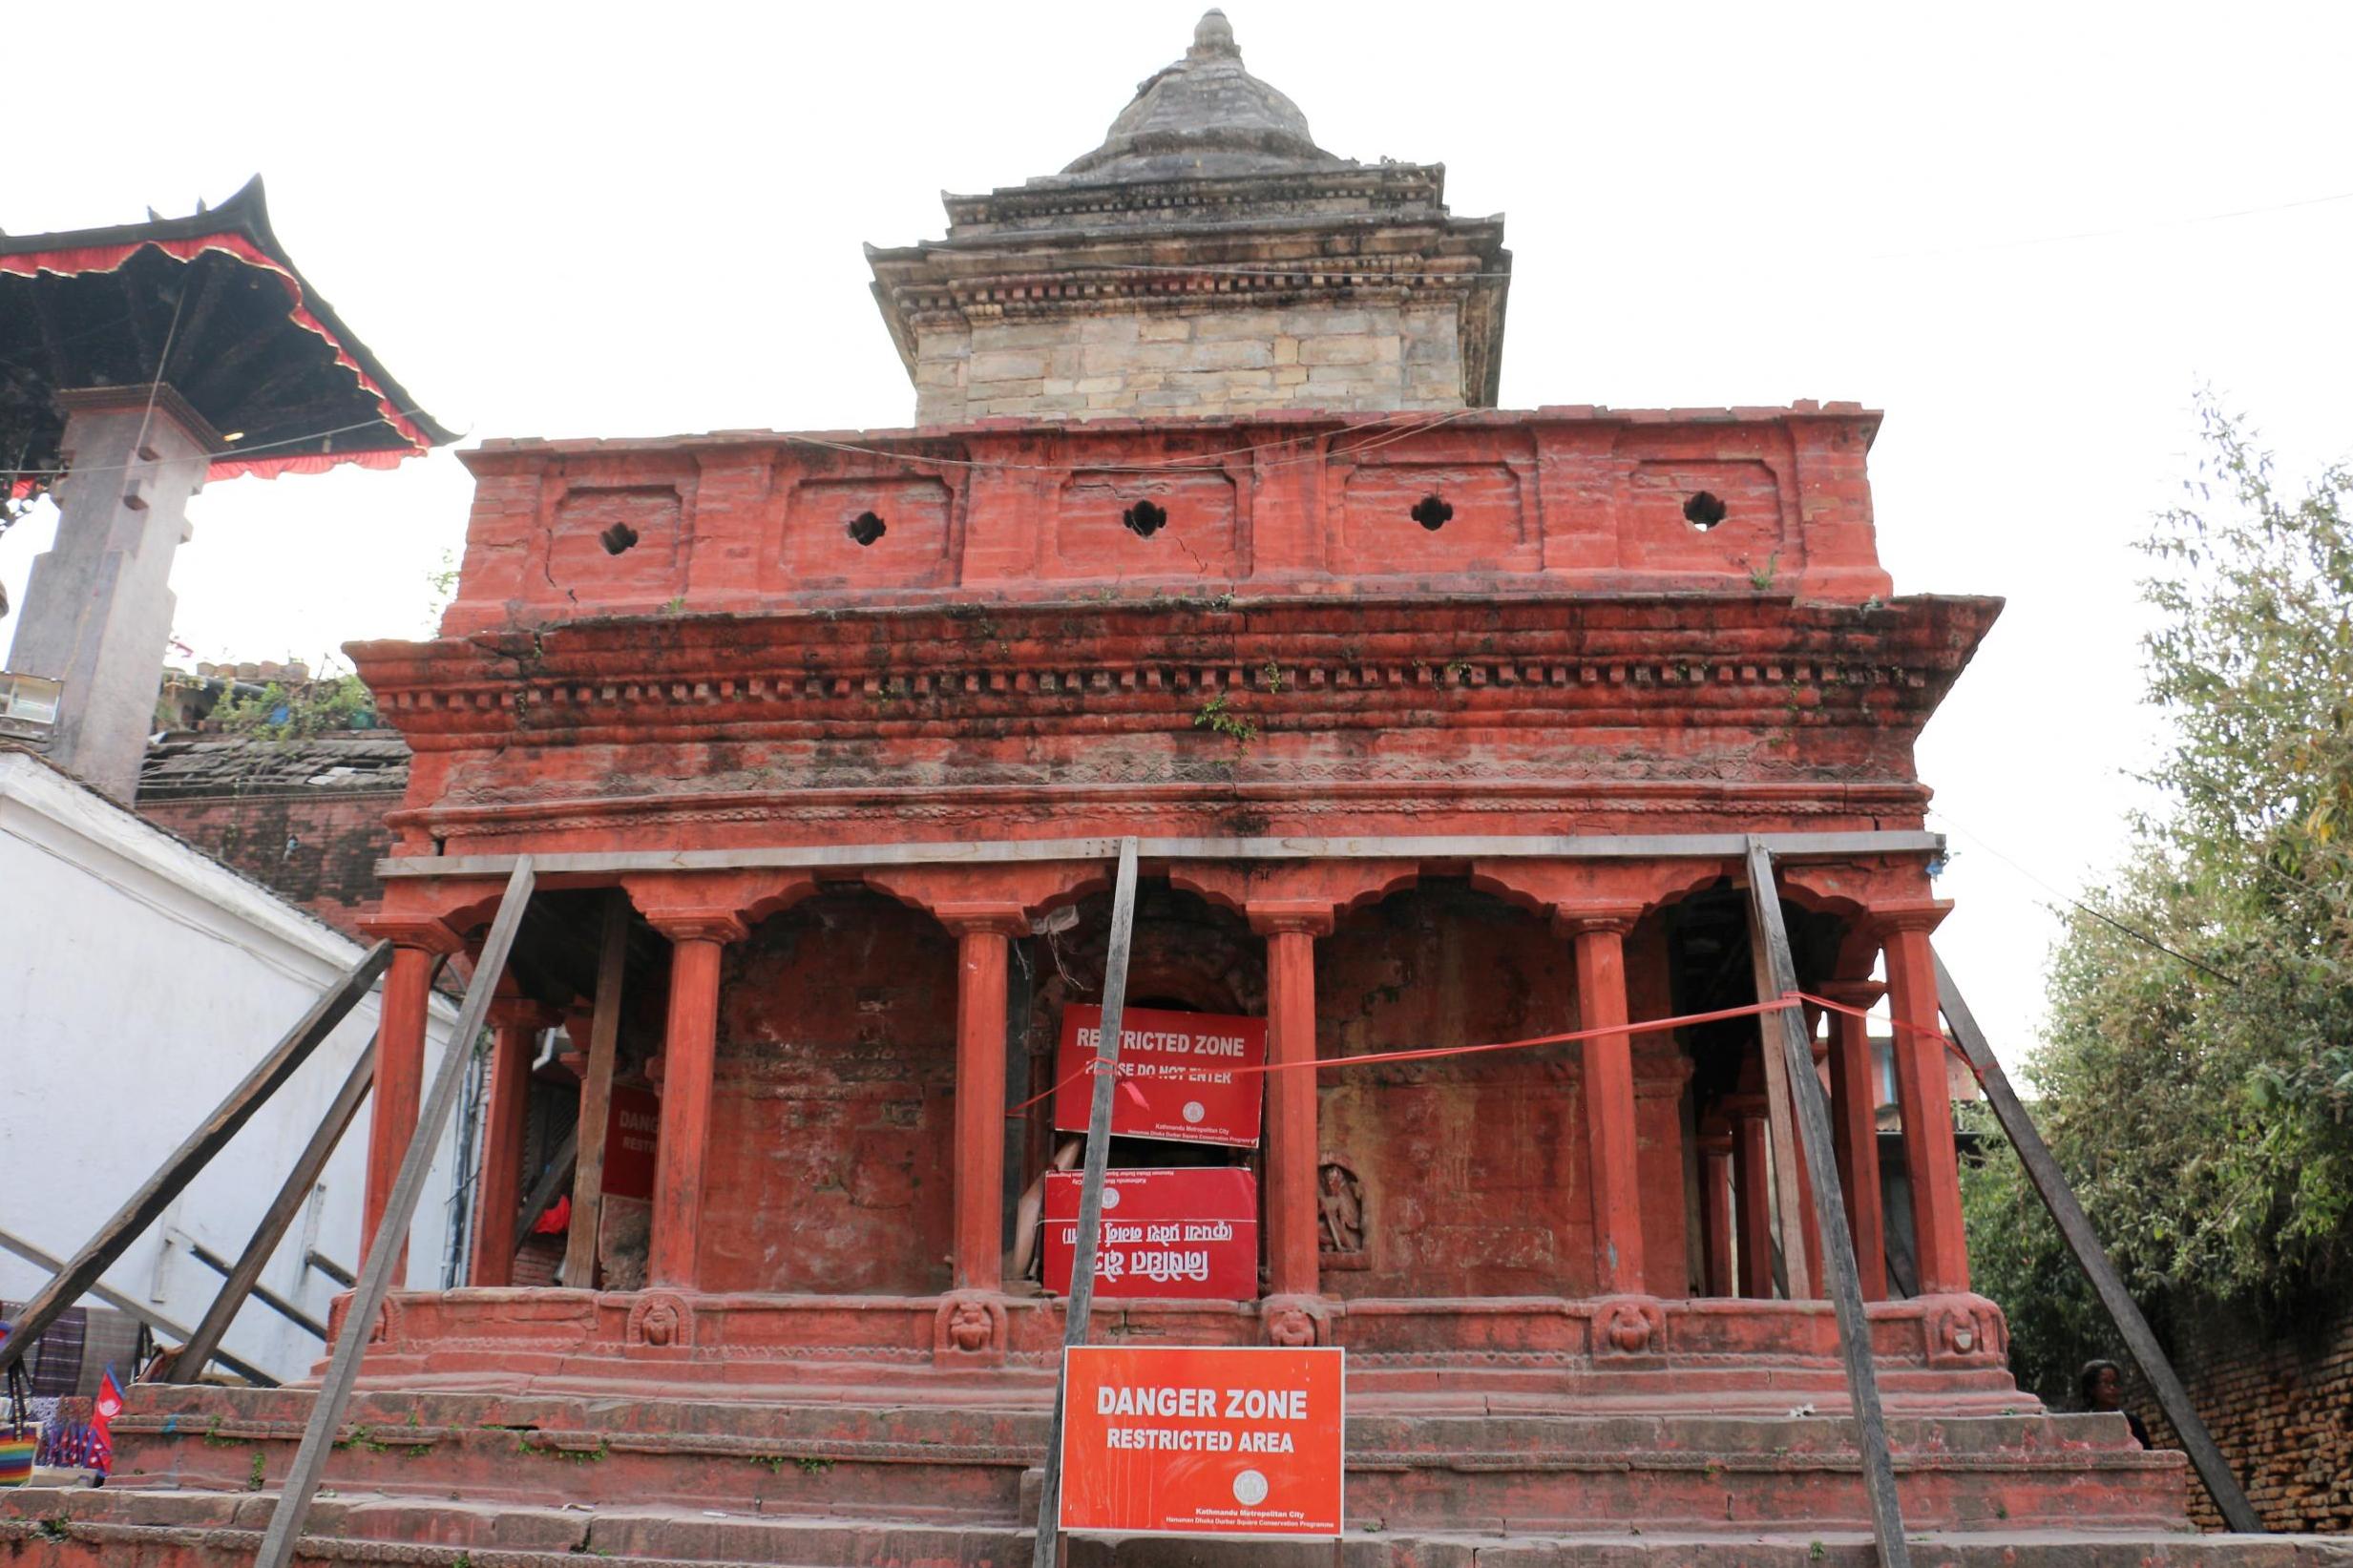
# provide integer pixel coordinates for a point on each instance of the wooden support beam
(1730, 846)
(1046, 1551)
(2075, 1228)
(1791, 1254)
(210, 1137)
(334, 1396)
(163, 1326)
(596, 1098)
(328, 1266)
(1812, 1115)
(260, 1292)
(296, 1191)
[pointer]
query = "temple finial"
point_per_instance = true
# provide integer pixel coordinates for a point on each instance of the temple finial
(1212, 36)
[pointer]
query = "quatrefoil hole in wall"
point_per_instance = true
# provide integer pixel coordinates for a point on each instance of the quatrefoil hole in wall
(1433, 512)
(1143, 519)
(617, 538)
(866, 528)
(1704, 510)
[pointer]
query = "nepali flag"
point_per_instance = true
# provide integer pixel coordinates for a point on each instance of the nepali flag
(102, 1412)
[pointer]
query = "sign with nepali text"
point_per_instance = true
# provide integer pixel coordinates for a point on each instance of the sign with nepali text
(630, 1131)
(1181, 1076)
(1203, 1441)
(1164, 1233)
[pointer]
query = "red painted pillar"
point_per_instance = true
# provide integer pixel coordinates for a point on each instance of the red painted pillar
(981, 1093)
(1291, 1212)
(1751, 1166)
(516, 1026)
(689, 1048)
(1611, 1174)
(1925, 1096)
(399, 1088)
(1855, 1130)
(1715, 1207)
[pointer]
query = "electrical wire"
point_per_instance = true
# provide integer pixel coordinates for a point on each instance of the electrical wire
(2100, 915)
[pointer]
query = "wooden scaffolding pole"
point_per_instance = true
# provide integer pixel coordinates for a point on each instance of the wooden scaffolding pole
(301, 1483)
(1047, 1550)
(211, 1135)
(596, 1098)
(1814, 1137)
(2076, 1227)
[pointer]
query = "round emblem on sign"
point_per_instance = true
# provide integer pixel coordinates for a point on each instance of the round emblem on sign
(1250, 1489)
(1110, 1197)
(1194, 1111)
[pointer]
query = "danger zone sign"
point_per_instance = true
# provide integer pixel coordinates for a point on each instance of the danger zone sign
(1203, 1441)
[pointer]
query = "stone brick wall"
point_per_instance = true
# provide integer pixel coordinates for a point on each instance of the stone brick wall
(1348, 357)
(2279, 1403)
(315, 848)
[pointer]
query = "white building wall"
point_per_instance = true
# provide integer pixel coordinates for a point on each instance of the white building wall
(139, 981)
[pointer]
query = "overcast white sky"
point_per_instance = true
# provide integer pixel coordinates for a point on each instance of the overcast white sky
(2000, 224)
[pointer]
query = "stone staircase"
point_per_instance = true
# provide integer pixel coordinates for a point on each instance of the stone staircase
(880, 1479)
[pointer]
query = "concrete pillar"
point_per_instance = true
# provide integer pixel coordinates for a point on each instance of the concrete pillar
(1291, 1211)
(1924, 1095)
(1612, 1175)
(1753, 1200)
(1854, 1124)
(690, 1043)
(1715, 1207)
(982, 938)
(498, 1195)
(98, 610)
(399, 1089)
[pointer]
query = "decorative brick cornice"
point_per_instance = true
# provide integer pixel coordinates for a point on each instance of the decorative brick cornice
(1577, 919)
(1923, 915)
(681, 925)
(1141, 668)
(1284, 917)
(421, 932)
(1006, 920)
(1863, 993)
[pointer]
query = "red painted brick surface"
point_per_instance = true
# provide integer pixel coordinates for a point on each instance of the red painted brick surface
(829, 1166)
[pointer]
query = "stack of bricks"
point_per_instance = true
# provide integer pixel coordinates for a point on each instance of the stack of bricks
(2279, 1404)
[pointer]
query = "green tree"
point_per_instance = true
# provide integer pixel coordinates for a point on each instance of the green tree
(297, 713)
(2201, 1099)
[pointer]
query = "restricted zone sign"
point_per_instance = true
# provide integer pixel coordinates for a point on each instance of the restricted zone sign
(1164, 1233)
(1202, 1441)
(1178, 1076)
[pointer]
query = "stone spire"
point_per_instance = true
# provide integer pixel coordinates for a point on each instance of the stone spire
(1204, 115)
(1208, 259)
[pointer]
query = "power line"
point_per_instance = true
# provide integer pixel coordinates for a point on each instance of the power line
(2100, 915)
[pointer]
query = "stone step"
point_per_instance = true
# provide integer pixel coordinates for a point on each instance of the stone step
(74, 1529)
(967, 1465)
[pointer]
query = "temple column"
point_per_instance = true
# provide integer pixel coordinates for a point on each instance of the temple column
(983, 935)
(515, 1024)
(399, 1088)
(1611, 1170)
(1923, 1093)
(1291, 1207)
(1855, 1131)
(1715, 1206)
(689, 1050)
(97, 609)
(1753, 1200)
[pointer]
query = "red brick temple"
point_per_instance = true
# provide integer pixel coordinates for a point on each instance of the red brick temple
(1439, 725)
